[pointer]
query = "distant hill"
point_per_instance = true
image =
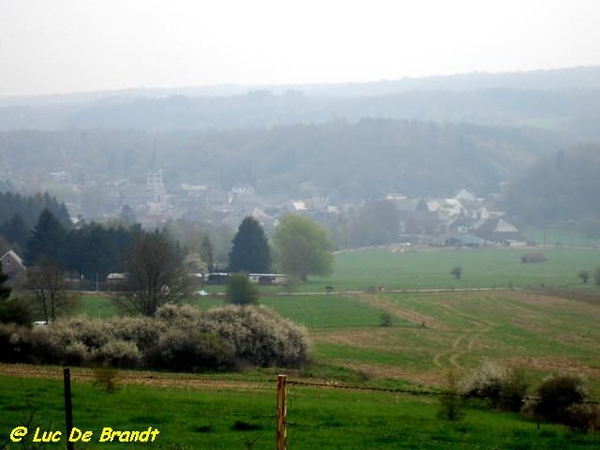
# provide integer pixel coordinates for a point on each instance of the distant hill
(563, 100)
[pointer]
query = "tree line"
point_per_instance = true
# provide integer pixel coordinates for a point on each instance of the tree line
(560, 188)
(158, 269)
(20, 213)
(362, 159)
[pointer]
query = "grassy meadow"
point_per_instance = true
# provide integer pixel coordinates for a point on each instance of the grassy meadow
(205, 414)
(419, 268)
(353, 395)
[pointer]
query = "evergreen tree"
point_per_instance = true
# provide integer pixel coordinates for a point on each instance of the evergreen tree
(4, 289)
(250, 251)
(48, 239)
(16, 233)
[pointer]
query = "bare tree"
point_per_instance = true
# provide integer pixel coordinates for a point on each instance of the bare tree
(155, 274)
(47, 289)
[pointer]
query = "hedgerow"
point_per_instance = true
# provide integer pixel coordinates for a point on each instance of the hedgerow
(178, 338)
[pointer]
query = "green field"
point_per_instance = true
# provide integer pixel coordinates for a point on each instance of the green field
(407, 268)
(221, 417)
(353, 394)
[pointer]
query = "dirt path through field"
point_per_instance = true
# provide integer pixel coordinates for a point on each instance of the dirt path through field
(396, 310)
(465, 342)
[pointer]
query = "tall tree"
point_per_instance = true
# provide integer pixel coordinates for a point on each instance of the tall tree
(16, 232)
(47, 289)
(303, 247)
(48, 239)
(155, 273)
(250, 251)
(206, 253)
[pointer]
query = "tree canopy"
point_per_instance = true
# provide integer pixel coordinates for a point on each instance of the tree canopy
(561, 187)
(155, 275)
(47, 239)
(303, 247)
(250, 251)
(240, 290)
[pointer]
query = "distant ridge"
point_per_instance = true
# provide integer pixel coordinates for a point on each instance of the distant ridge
(585, 77)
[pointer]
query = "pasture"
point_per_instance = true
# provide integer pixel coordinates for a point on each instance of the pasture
(196, 412)
(353, 394)
(424, 267)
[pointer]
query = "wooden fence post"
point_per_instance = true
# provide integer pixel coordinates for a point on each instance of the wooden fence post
(68, 406)
(281, 413)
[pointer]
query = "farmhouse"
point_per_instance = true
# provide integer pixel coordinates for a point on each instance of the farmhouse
(12, 265)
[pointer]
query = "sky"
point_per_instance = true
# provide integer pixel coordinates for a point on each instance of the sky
(61, 46)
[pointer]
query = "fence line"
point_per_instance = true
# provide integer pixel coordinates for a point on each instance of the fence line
(132, 376)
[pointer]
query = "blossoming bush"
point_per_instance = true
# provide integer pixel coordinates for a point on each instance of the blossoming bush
(179, 338)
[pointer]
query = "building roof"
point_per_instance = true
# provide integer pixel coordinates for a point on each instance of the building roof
(12, 255)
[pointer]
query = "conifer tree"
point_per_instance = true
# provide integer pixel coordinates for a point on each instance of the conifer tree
(48, 239)
(250, 251)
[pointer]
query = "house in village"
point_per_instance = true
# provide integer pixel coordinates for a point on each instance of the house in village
(12, 265)
(499, 231)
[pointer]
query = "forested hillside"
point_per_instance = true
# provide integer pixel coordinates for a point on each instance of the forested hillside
(367, 159)
(560, 187)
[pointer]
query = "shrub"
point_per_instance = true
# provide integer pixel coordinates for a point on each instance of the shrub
(240, 290)
(106, 377)
(16, 310)
(597, 276)
(456, 272)
(76, 354)
(259, 335)
(177, 338)
(451, 405)
(501, 387)
(92, 332)
(584, 275)
(584, 417)
(386, 319)
(118, 353)
(15, 343)
(46, 345)
(184, 316)
(180, 351)
(142, 330)
(555, 395)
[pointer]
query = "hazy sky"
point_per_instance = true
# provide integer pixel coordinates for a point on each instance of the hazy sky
(56, 46)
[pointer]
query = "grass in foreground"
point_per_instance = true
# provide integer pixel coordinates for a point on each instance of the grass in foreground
(216, 418)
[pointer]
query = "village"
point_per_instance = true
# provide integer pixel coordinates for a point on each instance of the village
(461, 220)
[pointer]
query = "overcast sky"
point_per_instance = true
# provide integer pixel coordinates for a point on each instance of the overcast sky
(57, 46)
